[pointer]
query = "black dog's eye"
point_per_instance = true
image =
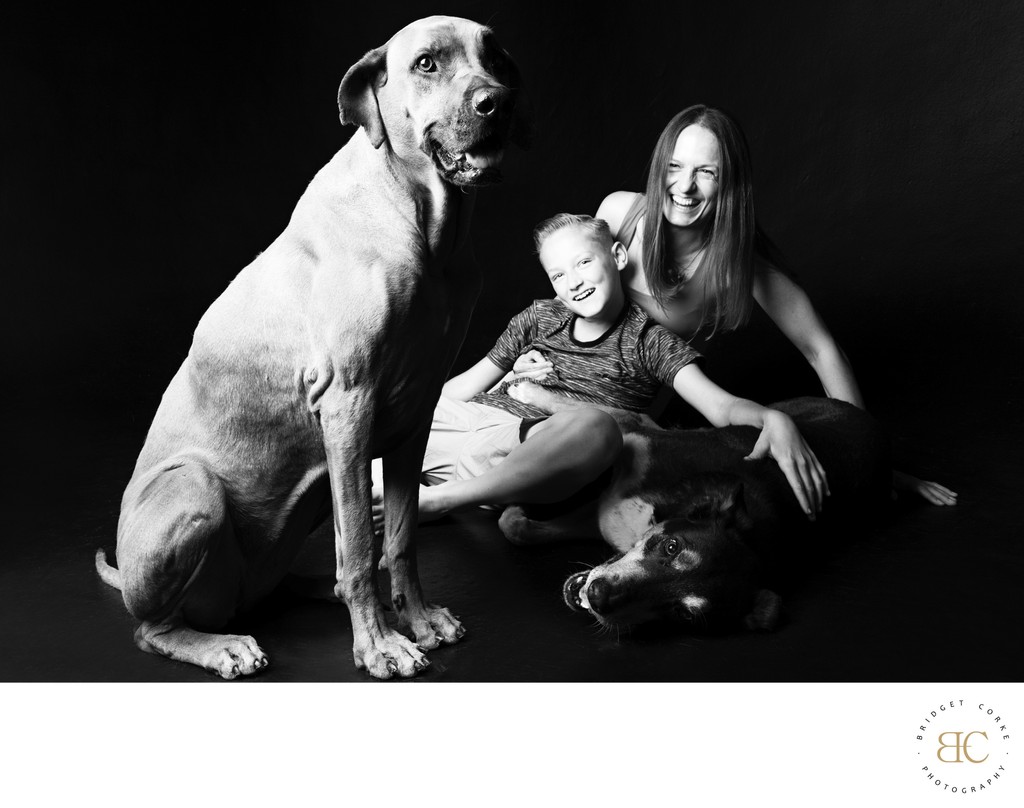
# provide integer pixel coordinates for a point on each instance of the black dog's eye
(671, 547)
(426, 64)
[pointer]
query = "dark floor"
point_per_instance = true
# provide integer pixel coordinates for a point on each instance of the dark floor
(933, 594)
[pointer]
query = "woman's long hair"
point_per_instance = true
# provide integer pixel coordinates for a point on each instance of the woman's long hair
(726, 270)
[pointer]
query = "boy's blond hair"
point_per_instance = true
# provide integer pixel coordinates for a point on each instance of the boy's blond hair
(598, 228)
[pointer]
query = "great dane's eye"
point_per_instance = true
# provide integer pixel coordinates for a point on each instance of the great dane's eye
(426, 64)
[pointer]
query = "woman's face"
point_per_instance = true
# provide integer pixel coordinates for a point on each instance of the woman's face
(691, 184)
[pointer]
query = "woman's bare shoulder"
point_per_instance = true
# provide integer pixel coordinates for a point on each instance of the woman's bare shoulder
(613, 208)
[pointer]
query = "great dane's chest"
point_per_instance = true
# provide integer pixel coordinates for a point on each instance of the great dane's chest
(415, 354)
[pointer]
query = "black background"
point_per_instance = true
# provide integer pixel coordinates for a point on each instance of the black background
(150, 152)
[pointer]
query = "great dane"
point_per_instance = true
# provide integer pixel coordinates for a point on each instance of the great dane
(328, 350)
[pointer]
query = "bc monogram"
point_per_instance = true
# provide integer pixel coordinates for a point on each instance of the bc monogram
(962, 744)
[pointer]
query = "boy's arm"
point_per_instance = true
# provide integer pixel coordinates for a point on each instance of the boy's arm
(477, 379)
(779, 438)
(486, 373)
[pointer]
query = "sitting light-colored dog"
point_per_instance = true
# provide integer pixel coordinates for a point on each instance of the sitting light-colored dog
(329, 349)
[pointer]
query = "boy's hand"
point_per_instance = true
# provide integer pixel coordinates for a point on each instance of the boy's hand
(526, 392)
(533, 365)
(781, 440)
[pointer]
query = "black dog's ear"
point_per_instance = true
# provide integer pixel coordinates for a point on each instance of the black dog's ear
(731, 501)
(764, 615)
(357, 95)
(721, 501)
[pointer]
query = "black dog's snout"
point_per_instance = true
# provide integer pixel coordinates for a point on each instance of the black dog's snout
(597, 594)
(486, 101)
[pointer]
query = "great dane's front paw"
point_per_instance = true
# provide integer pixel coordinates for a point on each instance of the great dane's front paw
(233, 655)
(433, 626)
(390, 655)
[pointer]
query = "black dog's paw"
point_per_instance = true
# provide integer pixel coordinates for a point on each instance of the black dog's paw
(766, 611)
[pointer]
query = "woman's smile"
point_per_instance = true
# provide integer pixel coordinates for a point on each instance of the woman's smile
(684, 202)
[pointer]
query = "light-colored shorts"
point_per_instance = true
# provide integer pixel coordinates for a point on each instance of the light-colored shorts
(468, 439)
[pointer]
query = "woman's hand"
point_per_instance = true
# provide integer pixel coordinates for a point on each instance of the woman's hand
(931, 492)
(781, 440)
(533, 365)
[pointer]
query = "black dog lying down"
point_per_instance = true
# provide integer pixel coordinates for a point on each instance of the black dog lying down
(698, 527)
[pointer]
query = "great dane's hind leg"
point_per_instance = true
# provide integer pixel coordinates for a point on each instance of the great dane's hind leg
(181, 568)
(227, 655)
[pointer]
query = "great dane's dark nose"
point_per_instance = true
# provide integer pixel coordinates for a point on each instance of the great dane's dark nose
(486, 101)
(597, 594)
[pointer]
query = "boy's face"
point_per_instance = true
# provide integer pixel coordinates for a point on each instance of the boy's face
(584, 272)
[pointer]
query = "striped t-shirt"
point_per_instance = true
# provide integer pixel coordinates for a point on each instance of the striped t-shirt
(624, 368)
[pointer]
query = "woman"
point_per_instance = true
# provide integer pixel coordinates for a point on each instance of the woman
(700, 263)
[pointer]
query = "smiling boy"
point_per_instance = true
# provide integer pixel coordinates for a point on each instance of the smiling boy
(498, 447)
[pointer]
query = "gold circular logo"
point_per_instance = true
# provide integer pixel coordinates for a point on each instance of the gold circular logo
(963, 747)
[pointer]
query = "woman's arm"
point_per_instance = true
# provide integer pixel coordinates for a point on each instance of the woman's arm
(477, 379)
(779, 438)
(792, 311)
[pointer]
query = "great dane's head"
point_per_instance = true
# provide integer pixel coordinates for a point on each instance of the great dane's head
(441, 92)
(693, 567)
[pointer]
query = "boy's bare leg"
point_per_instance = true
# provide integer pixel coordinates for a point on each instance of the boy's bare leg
(377, 494)
(558, 457)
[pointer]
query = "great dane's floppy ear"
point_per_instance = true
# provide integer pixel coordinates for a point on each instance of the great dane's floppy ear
(764, 615)
(357, 95)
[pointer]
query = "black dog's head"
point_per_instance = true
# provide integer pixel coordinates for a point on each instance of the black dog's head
(694, 568)
(442, 91)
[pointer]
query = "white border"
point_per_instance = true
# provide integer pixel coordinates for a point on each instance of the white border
(483, 745)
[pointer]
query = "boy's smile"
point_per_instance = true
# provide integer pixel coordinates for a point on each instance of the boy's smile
(584, 273)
